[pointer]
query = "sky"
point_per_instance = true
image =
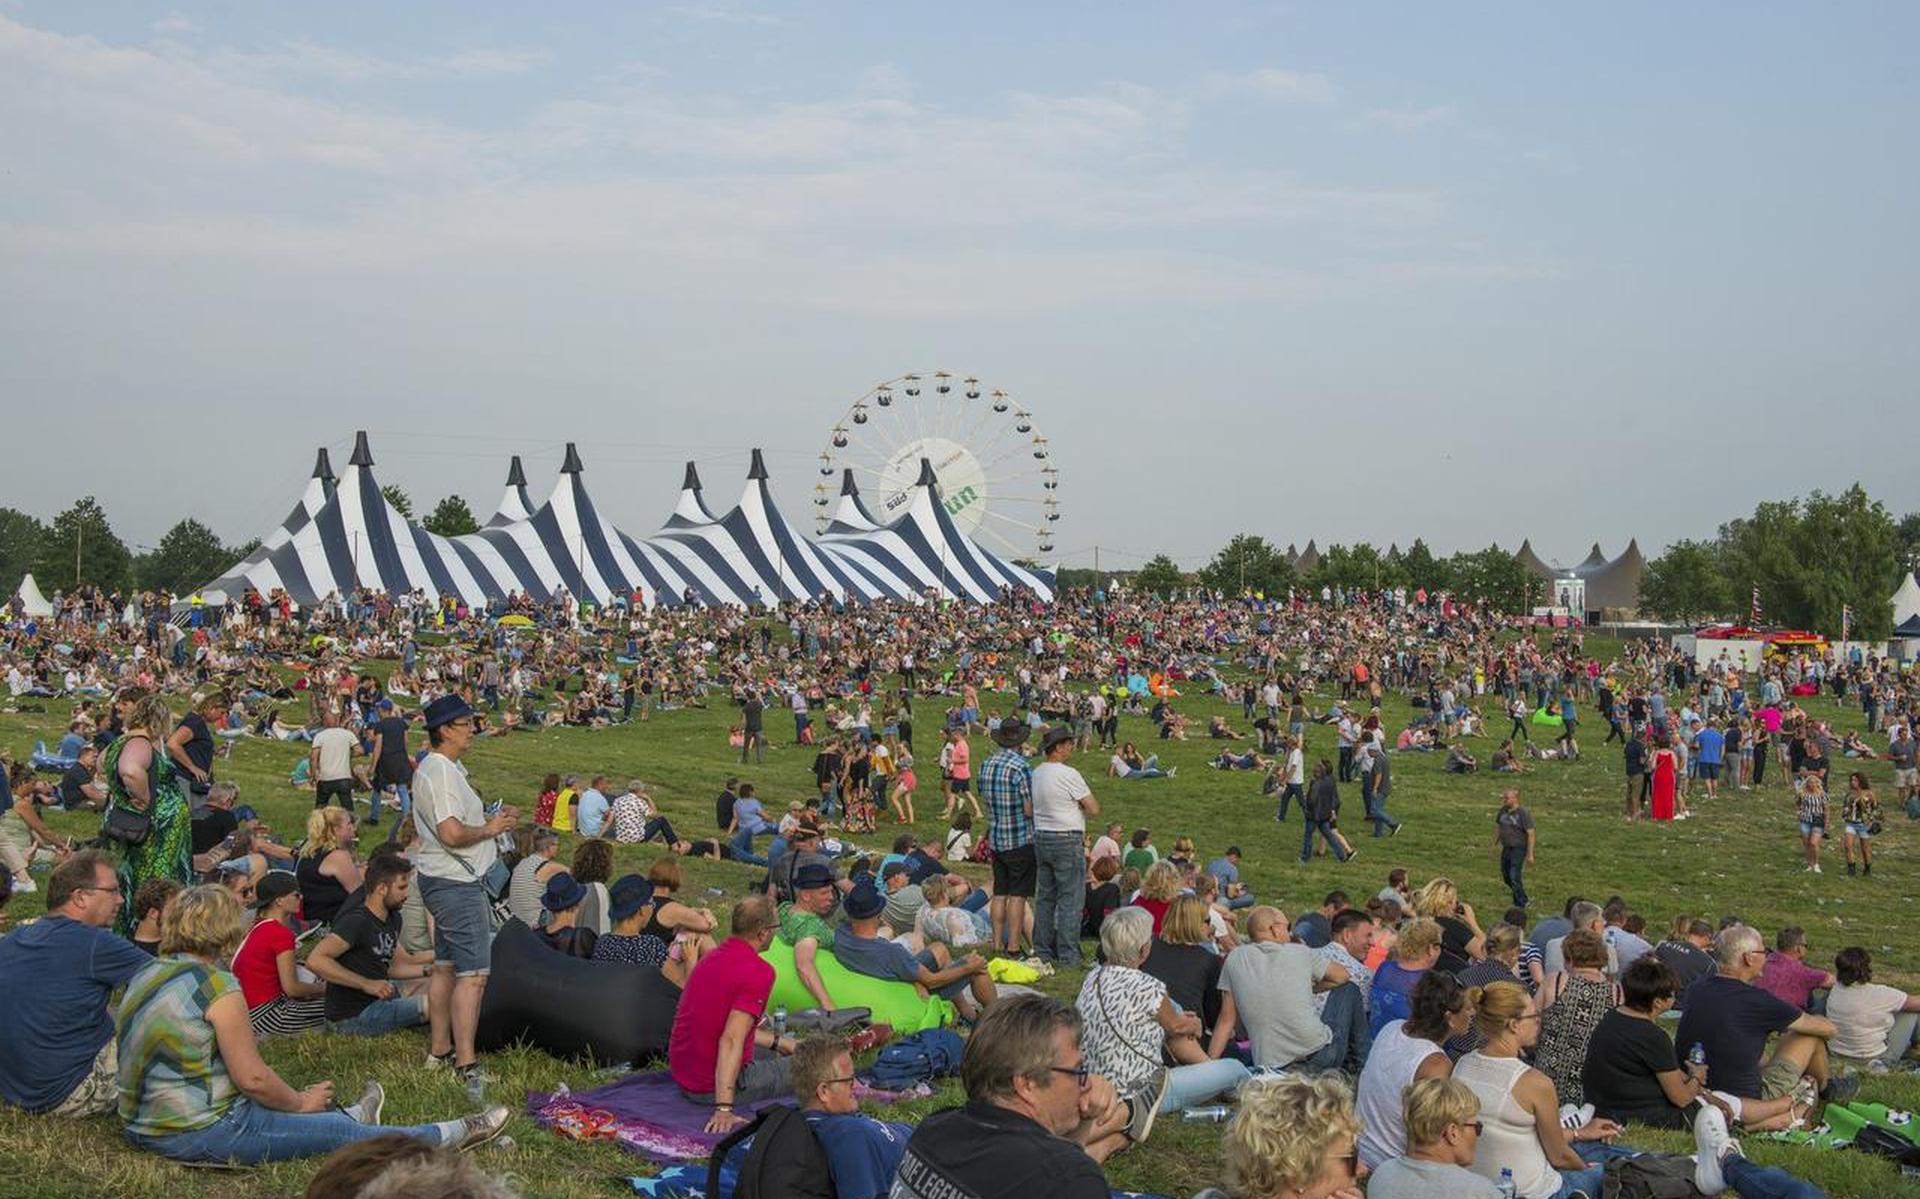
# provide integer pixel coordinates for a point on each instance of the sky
(1332, 272)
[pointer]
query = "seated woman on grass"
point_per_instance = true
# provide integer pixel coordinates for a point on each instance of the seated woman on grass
(193, 1087)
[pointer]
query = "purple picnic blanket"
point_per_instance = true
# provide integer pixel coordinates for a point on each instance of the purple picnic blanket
(650, 1115)
(646, 1113)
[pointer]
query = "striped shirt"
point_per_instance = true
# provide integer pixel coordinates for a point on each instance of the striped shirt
(1006, 786)
(172, 1077)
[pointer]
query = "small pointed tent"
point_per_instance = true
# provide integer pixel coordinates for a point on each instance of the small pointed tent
(32, 602)
(1906, 600)
(515, 503)
(1531, 562)
(1309, 560)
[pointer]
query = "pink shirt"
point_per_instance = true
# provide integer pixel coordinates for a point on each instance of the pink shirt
(733, 978)
(1789, 980)
(962, 760)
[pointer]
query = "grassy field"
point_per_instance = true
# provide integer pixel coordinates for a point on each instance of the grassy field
(1740, 855)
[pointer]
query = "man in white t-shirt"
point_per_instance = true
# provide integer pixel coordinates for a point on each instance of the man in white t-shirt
(1062, 801)
(1872, 1022)
(453, 856)
(330, 761)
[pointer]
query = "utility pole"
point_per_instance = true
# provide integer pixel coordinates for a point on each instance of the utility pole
(79, 534)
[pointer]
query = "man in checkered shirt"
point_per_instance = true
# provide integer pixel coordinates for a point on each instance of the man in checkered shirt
(1006, 786)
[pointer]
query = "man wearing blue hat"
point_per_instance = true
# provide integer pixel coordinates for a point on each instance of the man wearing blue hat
(862, 948)
(453, 857)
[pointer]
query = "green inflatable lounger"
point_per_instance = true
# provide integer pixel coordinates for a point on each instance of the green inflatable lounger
(896, 1003)
(1548, 720)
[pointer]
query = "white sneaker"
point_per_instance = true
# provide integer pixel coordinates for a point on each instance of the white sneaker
(1816, 868)
(1712, 1142)
(1574, 1117)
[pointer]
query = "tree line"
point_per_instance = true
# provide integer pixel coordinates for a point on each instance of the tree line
(1808, 559)
(79, 546)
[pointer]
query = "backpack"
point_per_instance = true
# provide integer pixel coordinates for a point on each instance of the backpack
(921, 1057)
(1648, 1176)
(781, 1158)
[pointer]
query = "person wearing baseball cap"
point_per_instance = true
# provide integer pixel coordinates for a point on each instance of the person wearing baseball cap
(1006, 784)
(865, 948)
(453, 856)
(803, 925)
(1062, 801)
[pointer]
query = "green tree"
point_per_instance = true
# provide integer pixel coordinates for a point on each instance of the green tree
(1077, 577)
(1907, 532)
(186, 557)
(1422, 569)
(1160, 576)
(399, 499)
(1492, 576)
(21, 536)
(452, 518)
(1248, 563)
(80, 547)
(1811, 558)
(1351, 567)
(1686, 583)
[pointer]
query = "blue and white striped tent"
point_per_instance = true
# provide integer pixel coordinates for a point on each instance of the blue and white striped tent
(344, 536)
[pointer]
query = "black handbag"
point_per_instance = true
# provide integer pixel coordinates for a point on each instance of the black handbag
(127, 826)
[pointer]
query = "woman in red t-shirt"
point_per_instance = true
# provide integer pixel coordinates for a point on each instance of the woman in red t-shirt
(279, 1002)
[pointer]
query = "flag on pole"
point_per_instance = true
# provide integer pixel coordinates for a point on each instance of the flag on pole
(1755, 617)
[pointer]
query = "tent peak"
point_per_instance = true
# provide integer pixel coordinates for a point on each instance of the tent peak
(847, 485)
(516, 477)
(362, 452)
(572, 465)
(323, 466)
(927, 477)
(759, 468)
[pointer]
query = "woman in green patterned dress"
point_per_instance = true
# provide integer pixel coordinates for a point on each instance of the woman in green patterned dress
(140, 776)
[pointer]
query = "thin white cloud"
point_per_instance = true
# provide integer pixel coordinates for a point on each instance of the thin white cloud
(723, 15)
(1274, 83)
(173, 22)
(312, 60)
(1412, 120)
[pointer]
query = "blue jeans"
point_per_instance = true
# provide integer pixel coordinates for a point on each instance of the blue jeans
(1377, 812)
(1513, 859)
(1059, 896)
(1587, 1182)
(1188, 1085)
(249, 1134)
(403, 797)
(742, 846)
(383, 1016)
(1753, 1181)
(1326, 834)
(1288, 794)
(1345, 1016)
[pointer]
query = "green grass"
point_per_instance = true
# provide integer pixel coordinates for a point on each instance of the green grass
(1741, 856)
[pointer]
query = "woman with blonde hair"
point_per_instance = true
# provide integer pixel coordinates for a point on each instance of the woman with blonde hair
(142, 784)
(1158, 889)
(193, 1086)
(1293, 1138)
(1461, 941)
(327, 869)
(1415, 950)
(1442, 1119)
(1184, 959)
(1519, 1110)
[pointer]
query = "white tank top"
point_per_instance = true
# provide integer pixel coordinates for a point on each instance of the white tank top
(1509, 1140)
(1391, 1065)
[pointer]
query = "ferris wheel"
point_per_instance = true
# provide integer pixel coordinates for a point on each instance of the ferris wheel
(997, 478)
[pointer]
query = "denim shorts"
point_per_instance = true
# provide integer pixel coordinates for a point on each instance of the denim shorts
(1859, 830)
(383, 1016)
(462, 923)
(1809, 828)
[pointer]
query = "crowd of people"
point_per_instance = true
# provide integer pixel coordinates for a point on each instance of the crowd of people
(1396, 1034)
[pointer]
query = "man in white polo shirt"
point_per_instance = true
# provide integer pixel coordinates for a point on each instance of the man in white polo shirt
(1062, 801)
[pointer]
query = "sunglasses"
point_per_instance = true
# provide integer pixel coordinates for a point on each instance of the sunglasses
(1477, 1126)
(113, 890)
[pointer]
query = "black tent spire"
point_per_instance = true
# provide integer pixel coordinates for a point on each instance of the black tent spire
(323, 467)
(572, 465)
(515, 476)
(927, 477)
(362, 452)
(692, 481)
(759, 468)
(847, 485)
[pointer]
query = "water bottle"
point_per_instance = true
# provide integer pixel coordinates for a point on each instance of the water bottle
(1211, 1114)
(1505, 1185)
(1697, 1056)
(780, 1020)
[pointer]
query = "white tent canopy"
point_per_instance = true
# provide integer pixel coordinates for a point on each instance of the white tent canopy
(1906, 601)
(32, 602)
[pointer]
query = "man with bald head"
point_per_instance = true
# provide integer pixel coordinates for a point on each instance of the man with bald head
(1269, 984)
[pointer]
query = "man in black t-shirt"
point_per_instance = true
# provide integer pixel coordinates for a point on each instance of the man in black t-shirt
(1731, 1019)
(217, 821)
(191, 746)
(829, 769)
(1035, 1121)
(392, 764)
(356, 958)
(723, 805)
(1685, 953)
(78, 790)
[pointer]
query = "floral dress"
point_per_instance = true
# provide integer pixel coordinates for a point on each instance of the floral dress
(168, 850)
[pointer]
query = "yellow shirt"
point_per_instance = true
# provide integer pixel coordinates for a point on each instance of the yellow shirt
(563, 810)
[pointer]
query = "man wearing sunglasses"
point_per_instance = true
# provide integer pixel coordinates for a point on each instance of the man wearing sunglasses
(1443, 1130)
(58, 974)
(862, 1152)
(1036, 1121)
